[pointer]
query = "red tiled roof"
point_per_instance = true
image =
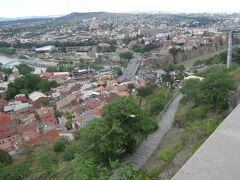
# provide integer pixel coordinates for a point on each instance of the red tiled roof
(22, 99)
(49, 118)
(48, 136)
(99, 89)
(6, 146)
(7, 134)
(123, 93)
(30, 133)
(2, 129)
(5, 119)
(108, 98)
(94, 104)
(97, 112)
(46, 75)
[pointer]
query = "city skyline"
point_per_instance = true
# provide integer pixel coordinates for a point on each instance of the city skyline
(26, 8)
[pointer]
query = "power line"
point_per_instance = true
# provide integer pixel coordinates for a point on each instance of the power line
(66, 164)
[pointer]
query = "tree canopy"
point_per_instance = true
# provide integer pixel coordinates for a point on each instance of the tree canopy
(215, 89)
(25, 69)
(27, 84)
(5, 157)
(128, 126)
(143, 92)
(126, 55)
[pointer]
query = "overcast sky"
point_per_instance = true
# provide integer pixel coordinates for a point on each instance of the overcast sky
(21, 8)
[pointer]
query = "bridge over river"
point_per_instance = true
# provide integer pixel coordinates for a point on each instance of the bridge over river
(17, 62)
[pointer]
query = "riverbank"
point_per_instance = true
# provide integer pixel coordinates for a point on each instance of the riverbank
(7, 51)
(7, 58)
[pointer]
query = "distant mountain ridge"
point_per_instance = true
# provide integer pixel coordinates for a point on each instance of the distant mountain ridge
(84, 14)
(25, 18)
(71, 16)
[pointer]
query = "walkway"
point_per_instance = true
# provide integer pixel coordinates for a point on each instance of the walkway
(149, 145)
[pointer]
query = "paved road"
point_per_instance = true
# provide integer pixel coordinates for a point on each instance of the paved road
(149, 145)
(131, 70)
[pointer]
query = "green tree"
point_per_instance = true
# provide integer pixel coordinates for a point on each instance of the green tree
(130, 88)
(57, 113)
(126, 171)
(158, 100)
(45, 102)
(236, 55)
(138, 48)
(5, 157)
(192, 90)
(217, 88)
(126, 55)
(25, 69)
(69, 118)
(143, 92)
(52, 69)
(89, 169)
(28, 84)
(131, 129)
(110, 48)
(71, 150)
(15, 171)
(174, 51)
(169, 77)
(7, 51)
(7, 71)
(59, 145)
(123, 125)
(46, 162)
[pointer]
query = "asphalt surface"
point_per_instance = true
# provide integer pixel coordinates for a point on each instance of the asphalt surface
(131, 70)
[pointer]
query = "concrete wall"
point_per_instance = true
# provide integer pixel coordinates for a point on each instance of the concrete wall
(218, 158)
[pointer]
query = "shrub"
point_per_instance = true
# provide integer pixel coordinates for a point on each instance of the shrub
(5, 158)
(59, 145)
(70, 151)
(197, 113)
(14, 172)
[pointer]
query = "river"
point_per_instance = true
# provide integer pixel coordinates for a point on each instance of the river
(7, 59)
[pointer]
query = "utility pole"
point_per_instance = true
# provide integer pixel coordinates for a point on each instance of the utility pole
(229, 55)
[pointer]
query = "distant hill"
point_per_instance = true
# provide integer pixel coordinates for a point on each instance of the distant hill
(4, 19)
(73, 17)
(83, 15)
(76, 16)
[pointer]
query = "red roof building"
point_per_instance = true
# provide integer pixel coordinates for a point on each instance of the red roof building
(21, 99)
(47, 116)
(46, 75)
(48, 136)
(5, 120)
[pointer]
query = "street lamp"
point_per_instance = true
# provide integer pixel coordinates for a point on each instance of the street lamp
(131, 116)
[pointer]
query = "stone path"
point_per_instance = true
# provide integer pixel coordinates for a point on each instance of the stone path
(149, 145)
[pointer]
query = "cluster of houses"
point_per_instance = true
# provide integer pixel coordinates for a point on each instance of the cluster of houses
(32, 119)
